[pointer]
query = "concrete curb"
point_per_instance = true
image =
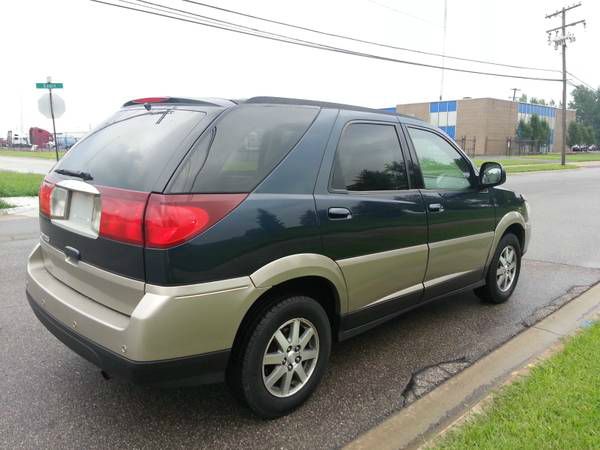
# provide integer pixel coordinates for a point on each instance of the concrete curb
(17, 210)
(422, 420)
(22, 205)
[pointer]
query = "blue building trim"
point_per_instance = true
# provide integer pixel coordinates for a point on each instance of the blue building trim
(448, 106)
(450, 131)
(539, 110)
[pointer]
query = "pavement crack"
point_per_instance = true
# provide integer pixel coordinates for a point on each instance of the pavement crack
(537, 327)
(426, 379)
(574, 266)
(544, 311)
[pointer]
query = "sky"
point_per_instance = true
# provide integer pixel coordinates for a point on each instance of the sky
(106, 56)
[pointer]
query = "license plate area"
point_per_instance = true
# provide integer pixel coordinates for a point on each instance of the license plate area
(77, 207)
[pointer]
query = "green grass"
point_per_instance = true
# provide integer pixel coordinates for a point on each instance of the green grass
(4, 205)
(538, 167)
(15, 184)
(571, 157)
(507, 162)
(28, 154)
(557, 406)
(524, 165)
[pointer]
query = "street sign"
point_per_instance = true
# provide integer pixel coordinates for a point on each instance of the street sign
(58, 104)
(51, 106)
(48, 85)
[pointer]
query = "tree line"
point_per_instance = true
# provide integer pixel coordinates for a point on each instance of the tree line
(585, 130)
(535, 129)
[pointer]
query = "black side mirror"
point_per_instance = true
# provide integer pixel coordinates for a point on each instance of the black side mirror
(491, 174)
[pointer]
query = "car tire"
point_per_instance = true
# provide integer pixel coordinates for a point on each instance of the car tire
(273, 381)
(503, 275)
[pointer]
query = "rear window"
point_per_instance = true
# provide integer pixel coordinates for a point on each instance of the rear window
(243, 148)
(131, 153)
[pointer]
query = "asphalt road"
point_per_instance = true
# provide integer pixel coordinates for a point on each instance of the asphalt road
(52, 398)
(21, 164)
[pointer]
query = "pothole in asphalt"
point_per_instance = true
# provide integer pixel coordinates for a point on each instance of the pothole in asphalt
(427, 379)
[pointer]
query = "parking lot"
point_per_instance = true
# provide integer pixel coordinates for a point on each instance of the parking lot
(52, 398)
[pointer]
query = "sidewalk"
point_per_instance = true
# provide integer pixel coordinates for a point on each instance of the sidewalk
(422, 420)
(26, 165)
(26, 206)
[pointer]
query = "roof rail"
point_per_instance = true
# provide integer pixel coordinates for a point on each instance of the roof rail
(179, 100)
(299, 101)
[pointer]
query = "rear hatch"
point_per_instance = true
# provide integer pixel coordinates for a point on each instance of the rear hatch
(92, 203)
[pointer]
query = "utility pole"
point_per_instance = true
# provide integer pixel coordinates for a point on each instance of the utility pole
(560, 39)
(444, 49)
(515, 93)
(49, 79)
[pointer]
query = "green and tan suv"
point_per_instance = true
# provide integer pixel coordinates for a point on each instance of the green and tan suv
(192, 241)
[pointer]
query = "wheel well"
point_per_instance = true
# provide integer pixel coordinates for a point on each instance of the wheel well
(319, 288)
(518, 231)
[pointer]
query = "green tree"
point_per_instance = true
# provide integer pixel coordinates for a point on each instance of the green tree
(587, 135)
(545, 133)
(586, 102)
(573, 134)
(536, 127)
(523, 98)
(523, 130)
(537, 101)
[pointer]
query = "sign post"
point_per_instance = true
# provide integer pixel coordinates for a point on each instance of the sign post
(50, 85)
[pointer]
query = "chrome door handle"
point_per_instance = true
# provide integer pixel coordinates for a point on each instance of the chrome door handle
(339, 214)
(436, 207)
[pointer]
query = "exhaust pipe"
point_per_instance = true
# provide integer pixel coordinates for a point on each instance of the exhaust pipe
(105, 375)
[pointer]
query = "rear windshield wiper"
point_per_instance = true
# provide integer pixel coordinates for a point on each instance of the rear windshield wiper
(75, 173)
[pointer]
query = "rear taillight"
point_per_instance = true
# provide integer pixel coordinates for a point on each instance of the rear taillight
(173, 219)
(44, 197)
(122, 215)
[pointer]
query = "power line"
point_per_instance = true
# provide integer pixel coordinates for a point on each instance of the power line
(364, 41)
(582, 82)
(404, 13)
(316, 45)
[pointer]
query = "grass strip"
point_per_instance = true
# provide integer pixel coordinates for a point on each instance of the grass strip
(29, 154)
(539, 167)
(557, 406)
(571, 157)
(16, 184)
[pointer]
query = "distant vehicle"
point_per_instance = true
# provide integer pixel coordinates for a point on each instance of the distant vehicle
(18, 140)
(66, 141)
(39, 137)
(189, 241)
(593, 148)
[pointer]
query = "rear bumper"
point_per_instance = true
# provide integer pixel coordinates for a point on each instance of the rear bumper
(207, 368)
(174, 333)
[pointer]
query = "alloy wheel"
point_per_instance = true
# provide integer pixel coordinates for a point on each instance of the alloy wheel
(507, 268)
(290, 357)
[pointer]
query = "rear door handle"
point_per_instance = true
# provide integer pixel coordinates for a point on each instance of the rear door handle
(339, 214)
(436, 207)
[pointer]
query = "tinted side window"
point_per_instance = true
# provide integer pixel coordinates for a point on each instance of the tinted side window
(442, 165)
(369, 158)
(247, 144)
